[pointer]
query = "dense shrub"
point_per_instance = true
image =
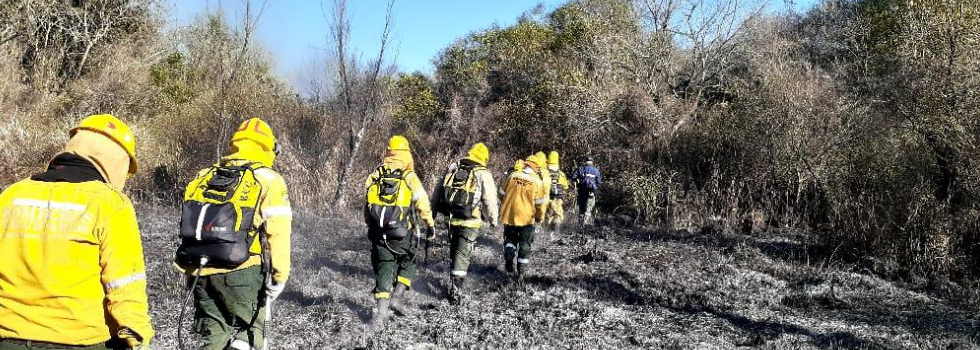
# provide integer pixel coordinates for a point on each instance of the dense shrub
(854, 122)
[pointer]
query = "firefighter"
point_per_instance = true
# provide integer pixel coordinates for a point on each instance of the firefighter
(588, 179)
(521, 212)
(395, 204)
(467, 196)
(73, 274)
(557, 189)
(231, 300)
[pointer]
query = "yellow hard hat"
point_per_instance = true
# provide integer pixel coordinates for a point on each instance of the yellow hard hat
(519, 164)
(114, 129)
(553, 158)
(398, 143)
(480, 153)
(258, 131)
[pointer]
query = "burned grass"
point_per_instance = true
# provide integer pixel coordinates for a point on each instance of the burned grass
(600, 288)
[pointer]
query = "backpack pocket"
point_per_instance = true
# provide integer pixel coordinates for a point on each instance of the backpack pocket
(211, 223)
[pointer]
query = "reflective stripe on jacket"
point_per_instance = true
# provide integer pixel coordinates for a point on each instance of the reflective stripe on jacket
(275, 215)
(72, 256)
(585, 174)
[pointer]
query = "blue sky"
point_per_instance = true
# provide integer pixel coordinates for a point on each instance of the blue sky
(295, 31)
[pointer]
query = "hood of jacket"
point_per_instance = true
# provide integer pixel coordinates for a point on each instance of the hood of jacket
(108, 157)
(251, 151)
(538, 161)
(399, 159)
(532, 165)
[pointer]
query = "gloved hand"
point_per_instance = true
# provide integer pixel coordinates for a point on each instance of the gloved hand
(133, 341)
(430, 233)
(273, 289)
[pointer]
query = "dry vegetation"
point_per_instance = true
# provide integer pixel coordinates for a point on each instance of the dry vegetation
(827, 161)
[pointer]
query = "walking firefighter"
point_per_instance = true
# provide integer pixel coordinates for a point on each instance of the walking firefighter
(395, 203)
(467, 197)
(235, 231)
(522, 210)
(557, 188)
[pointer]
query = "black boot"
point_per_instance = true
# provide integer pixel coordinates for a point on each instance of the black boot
(519, 278)
(398, 300)
(510, 252)
(456, 290)
(381, 314)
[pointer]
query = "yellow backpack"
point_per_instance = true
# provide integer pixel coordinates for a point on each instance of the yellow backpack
(388, 207)
(217, 216)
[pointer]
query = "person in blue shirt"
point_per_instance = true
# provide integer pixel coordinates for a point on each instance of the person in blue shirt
(587, 180)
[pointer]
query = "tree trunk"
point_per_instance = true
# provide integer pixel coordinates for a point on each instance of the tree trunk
(348, 167)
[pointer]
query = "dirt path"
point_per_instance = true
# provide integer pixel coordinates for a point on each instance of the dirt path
(604, 288)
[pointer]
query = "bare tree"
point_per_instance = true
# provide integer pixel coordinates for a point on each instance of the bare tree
(362, 111)
(63, 36)
(230, 69)
(707, 35)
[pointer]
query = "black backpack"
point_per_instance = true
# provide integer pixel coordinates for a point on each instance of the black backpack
(461, 191)
(388, 206)
(216, 218)
(557, 191)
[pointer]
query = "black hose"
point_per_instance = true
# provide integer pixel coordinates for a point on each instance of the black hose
(183, 306)
(384, 241)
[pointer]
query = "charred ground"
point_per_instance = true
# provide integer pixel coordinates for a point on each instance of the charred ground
(605, 287)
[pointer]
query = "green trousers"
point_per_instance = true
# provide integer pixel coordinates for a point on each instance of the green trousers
(586, 207)
(230, 309)
(10, 345)
(463, 240)
(393, 260)
(517, 243)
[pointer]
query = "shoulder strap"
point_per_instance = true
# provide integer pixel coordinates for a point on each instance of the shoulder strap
(253, 166)
(382, 170)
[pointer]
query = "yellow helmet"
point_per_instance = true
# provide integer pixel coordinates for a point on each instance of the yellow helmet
(114, 129)
(258, 131)
(398, 143)
(480, 153)
(553, 158)
(544, 157)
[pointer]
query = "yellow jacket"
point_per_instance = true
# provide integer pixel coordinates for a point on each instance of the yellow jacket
(402, 159)
(525, 198)
(274, 211)
(72, 264)
(546, 184)
(540, 162)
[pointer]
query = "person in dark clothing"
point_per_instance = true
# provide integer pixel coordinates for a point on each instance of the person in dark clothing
(587, 179)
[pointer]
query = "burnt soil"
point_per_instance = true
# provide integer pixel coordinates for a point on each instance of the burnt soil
(601, 287)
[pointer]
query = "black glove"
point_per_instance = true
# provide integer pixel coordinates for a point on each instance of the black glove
(430, 233)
